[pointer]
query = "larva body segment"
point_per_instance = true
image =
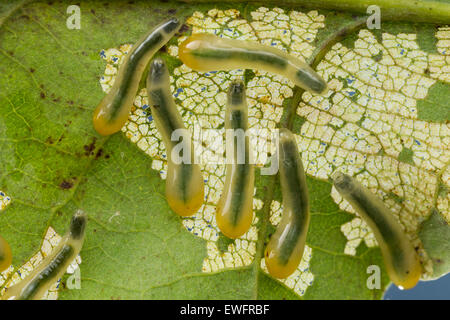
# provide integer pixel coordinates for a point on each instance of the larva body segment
(235, 207)
(207, 52)
(114, 109)
(53, 267)
(285, 248)
(400, 258)
(5, 254)
(184, 181)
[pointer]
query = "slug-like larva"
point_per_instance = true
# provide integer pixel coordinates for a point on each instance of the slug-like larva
(53, 267)
(5, 254)
(184, 181)
(401, 260)
(285, 248)
(207, 52)
(114, 109)
(235, 207)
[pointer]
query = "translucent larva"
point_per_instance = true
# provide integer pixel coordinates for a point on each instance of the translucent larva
(235, 207)
(114, 109)
(53, 267)
(285, 248)
(401, 260)
(207, 52)
(184, 181)
(5, 254)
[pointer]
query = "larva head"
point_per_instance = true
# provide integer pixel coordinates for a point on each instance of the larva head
(5, 254)
(102, 118)
(277, 269)
(184, 192)
(402, 263)
(171, 26)
(158, 74)
(236, 93)
(78, 225)
(194, 43)
(409, 278)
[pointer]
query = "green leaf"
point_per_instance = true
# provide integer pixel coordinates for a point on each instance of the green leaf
(383, 121)
(435, 235)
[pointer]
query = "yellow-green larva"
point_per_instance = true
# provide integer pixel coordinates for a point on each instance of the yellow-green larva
(184, 181)
(235, 207)
(53, 267)
(5, 254)
(285, 248)
(114, 109)
(207, 52)
(400, 258)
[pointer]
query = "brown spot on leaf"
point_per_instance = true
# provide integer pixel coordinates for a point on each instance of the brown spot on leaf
(183, 29)
(65, 185)
(89, 148)
(42, 95)
(99, 153)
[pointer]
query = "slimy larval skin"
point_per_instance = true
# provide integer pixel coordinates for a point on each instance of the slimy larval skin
(235, 207)
(53, 267)
(184, 181)
(285, 248)
(400, 258)
(114, 109)
(207, 52)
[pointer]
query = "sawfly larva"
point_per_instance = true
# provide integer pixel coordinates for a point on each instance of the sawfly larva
(235, 207)
(400, 258)
(5, 254)
(114, 109)
(207, 52)
(53, 267)
(285, 248)
(184, 181)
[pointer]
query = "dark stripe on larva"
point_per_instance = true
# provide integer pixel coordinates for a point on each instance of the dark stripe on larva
(239, 121)
(170, 124)
(312, 81)
(240, 54)
(161, 105)
(77, 226)
(295, 191)
(130, 69)
(375, 213)
(48, 273)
